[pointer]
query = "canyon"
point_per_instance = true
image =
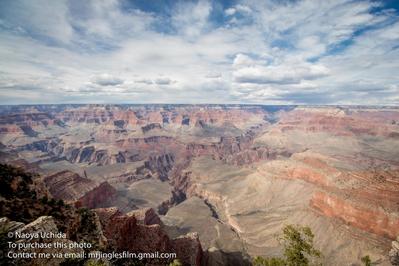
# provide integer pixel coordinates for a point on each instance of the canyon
(216, 183)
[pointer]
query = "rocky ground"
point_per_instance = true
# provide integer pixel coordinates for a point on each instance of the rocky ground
(232, 176)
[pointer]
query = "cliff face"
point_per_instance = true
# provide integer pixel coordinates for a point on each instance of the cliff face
(394, 252)
(103, 194)
(161, 165)
(141, 231)
(341, 122)
(188, 116)
(27, 123)
(150, 127)
(41, 224)
(254, 167)
(21, 202)
(68, 186)
(106, 229)
(372, 220)
(86, 115)
(235, 150)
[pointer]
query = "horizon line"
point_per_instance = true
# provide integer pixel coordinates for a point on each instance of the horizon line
(215, 104)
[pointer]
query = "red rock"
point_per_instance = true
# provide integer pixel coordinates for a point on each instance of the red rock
(369, 219)
(146, 216)
(188, 248)
(68, 186)
(125, 232)
(98, 197)
(340, 122)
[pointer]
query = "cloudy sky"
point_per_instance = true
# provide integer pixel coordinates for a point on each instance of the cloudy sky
(154, 51)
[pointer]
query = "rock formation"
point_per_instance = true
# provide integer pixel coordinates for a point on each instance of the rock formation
(68, 186)
(372, 220)
(43, 224)
(141, 231)
(99, 196)
(249, 169)
(394, 252)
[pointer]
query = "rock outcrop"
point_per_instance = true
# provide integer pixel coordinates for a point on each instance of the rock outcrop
(340, 121)
(254, 167)
(235, 150)
(101, 196)
(372, 220)
(105, 229)
(9, 226)
(150, 127)
(141, 231)
(188, 249)
(27, 123)
(394, 252)
(146, 216)
(68, 186)
(43, 224)
(160, 165)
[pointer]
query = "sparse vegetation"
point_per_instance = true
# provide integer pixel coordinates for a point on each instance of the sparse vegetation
(52, 202)
(259, 261)
(175, 262)
(44, 200)
(4, 239)
(61, 203)
(17, 193)
(366, 260)
(94, 263)
(128, 262)
(73, 262)
(16, 190)
(11, 178)
(298, 247)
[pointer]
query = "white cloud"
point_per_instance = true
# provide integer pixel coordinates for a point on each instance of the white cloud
(106, 80)
(279, 74)
(243, 60)
(44, 18)
(337, 51)
(105, 19)
(191, 18)
(230, 11)
(213, 75)
(290, 71)
(163, 81)
(237, 9)
(144, 81)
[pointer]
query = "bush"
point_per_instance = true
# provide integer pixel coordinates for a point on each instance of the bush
(61, 203)
(298, 245)
(73, 262)
(298, 248)
(94, 263)
(366, 260)
(259, 261)
(52, 202)
(11, 176)
(44, 200)
(176, 262)
(4, 239)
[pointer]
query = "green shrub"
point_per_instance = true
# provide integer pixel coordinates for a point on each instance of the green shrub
(176, 262)
(259, 261)
(94, 263)
(61, 203)
(73, 262)
(44, 200)
(366, 260)
(298, 247)
(52, 202)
